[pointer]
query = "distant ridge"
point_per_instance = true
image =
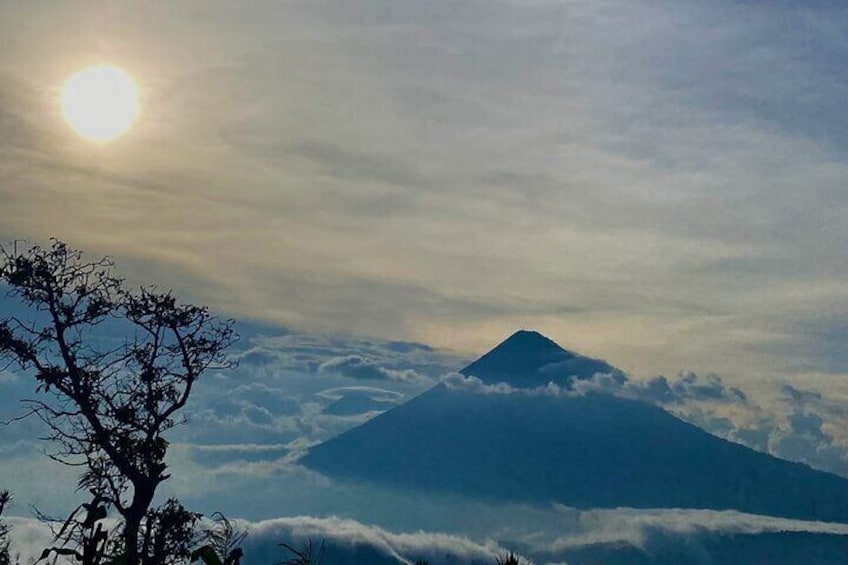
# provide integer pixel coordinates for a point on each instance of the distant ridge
(593, 451)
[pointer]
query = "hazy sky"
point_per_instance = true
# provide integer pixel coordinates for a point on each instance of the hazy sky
(661, 184)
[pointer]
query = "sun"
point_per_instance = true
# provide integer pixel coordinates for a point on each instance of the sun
(100, 103)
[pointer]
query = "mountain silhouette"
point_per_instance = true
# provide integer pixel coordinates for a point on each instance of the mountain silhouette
(586, 451)
(528, 359)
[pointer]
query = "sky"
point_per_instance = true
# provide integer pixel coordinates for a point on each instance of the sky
(380, 191)
(656, 183)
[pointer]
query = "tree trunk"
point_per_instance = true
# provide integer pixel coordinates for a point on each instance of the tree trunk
(132, 524)
(142, 498)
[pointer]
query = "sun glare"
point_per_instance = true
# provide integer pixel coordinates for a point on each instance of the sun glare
(100, 103)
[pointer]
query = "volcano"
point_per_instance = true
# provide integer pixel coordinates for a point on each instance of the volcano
(519, 443)
(528, 359)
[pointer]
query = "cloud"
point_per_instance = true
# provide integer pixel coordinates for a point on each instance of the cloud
(350, 535)
(346, 539)
(459, 381)
(355, 367)
(640, 527)
(799, 397)
(802, 425)
(7, 377)
(29, 538)
(685, 388)
(20, 448)
(373, 393)
(350, 540)
(280, 394)
(440, 187)
(214, 455)
(808, 432)
(255, 356)
(680, 521)
(268, 354)
(353, 400)
(798, 424)
(247, 423)
(258, 415)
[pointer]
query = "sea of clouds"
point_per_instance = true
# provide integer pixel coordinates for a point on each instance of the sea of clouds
(247, 427)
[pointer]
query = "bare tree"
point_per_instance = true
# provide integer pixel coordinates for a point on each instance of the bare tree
(107, 408)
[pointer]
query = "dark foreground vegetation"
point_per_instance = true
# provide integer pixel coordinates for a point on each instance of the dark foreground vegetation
(107, 409)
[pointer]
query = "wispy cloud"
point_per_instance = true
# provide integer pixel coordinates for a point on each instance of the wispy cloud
(355, 367)
(350, 534)
(448, 172)
(637, 526)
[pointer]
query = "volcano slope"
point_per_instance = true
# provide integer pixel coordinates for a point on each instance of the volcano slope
(519, 443)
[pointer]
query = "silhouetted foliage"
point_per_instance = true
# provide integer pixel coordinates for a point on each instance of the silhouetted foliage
(223, 545)
(5, 557)
(510, 559)
(307, 555)
(208, 556)
(107, 408)
(83, 536)
(169, 534)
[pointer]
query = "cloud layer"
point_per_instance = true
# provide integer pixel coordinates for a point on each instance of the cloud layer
(656, 182)
(350, 541)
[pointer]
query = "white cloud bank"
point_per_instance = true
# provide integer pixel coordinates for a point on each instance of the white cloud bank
(636, 526)
(381, 546)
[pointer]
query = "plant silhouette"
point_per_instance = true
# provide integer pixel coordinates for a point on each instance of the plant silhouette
(510, 559)
(307, 555)
(107, 408)
(5, 557)
(223, 545)
(82, 536)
